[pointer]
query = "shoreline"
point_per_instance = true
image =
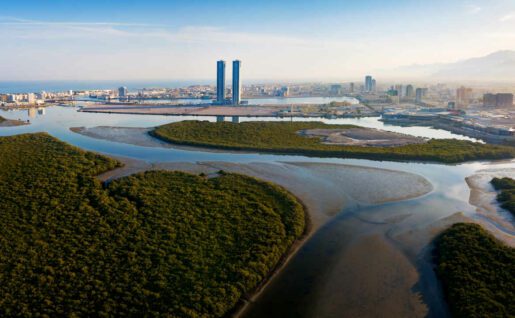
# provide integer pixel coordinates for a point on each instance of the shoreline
(140, 137)
(247, 299)
(322, 187)
(489, 214)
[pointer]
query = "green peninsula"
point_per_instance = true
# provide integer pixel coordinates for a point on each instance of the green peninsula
(291, 138)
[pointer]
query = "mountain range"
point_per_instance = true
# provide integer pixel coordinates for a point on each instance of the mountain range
(497, 66)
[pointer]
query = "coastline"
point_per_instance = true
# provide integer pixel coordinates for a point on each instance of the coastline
(140, 137)
(246, 299)
(490, 215)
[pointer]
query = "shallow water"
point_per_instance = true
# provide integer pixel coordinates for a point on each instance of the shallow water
(57, 121)
(315, 284)
(262, 101)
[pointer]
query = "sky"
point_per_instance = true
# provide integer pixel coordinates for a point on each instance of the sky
(276, 40)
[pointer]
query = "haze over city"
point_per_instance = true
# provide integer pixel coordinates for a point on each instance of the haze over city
(286, 40)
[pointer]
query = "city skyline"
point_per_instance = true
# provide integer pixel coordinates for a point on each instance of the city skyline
(174, 40)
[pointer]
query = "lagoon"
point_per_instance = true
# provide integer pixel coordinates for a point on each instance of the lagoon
(367, 253)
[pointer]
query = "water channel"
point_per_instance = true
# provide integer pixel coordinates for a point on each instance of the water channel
(321, 279)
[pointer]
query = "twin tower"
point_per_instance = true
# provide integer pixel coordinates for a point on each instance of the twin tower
(220, 83)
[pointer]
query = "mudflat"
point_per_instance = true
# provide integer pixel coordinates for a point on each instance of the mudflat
(11, 123)
(366, 137)
(324, 188)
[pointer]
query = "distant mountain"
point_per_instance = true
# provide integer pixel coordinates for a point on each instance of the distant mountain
(498, 66)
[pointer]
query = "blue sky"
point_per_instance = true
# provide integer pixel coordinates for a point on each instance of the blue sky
(277, 40)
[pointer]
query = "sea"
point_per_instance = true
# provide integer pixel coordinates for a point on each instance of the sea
(60, 86)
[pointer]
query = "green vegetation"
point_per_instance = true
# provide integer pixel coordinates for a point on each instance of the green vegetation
(507, 195)
(164, 244)
(2, 119)
(283, 137)
(477, 272)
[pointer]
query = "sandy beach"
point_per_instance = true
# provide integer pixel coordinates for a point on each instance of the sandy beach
(324, 188)
(366, 137)
(489, 213)
(126, 135)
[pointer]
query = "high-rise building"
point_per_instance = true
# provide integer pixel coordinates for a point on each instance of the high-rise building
(285, 91)
(504, 100)
(236, 82)
(335, 90)
(373, 88)
(490, 100)
(419, 94)
(463, 97)
(31, 98)
(123, 91)
(409, 91)
(220, 82)
(399, 90)
(393, 95)
(498, 100)
(368, 83)
(351, 88)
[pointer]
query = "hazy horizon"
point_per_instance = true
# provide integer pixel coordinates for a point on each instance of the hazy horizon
(287, 41)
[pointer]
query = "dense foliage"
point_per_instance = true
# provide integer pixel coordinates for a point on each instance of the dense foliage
(283, 137)
(507, 195)
(152, 244)
(477, 272)
(2, 119)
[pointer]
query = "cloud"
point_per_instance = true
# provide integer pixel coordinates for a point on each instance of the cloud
(507, 17)
(11, 27)
(472, 9)
(12, 21)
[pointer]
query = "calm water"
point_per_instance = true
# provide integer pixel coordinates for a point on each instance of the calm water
(262, 101)
(61, 86)
(58, 120)
(298, 287)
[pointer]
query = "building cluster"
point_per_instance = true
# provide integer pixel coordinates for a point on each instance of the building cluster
(464, 97)
(370, 84)
(498, 100)
(434, 96)
(494, 126)
(25, 99)
(396, 94)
